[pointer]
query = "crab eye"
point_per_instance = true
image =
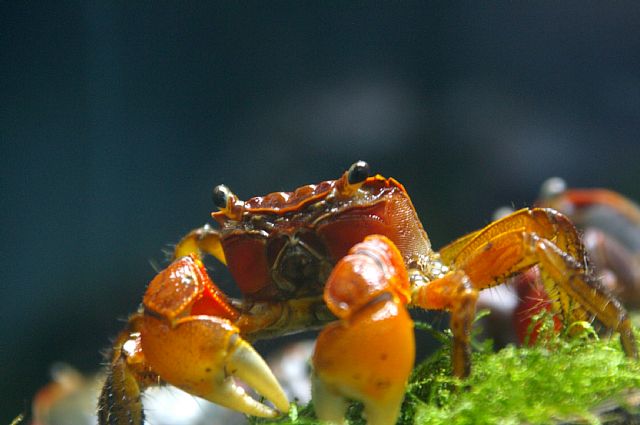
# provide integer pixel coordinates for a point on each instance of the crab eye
(220, 196)
(358, 172)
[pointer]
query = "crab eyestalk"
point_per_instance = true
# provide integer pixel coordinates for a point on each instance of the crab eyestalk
(353, 178)
(227, 202)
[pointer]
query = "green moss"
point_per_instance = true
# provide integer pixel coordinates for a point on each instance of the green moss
(533, 385)
(563, 378)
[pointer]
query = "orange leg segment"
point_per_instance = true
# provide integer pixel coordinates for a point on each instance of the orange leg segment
(454, 293)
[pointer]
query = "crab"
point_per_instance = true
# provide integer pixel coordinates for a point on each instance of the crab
(347, 256)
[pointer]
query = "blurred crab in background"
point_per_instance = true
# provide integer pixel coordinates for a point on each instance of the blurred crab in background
(609, 225)
(348, 256)
(611, 233)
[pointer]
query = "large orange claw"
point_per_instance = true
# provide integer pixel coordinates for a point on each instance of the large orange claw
(368, 355)
(189, 339)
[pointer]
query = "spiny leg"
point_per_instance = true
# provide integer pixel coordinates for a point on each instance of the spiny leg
(511, 245)
(545, 222)
(585, 290)
(127, 376)
(545, 237)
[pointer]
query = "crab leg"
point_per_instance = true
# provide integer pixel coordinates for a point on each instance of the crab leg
(455, 293)
(120, 399)
(511, 245)
(369, 353)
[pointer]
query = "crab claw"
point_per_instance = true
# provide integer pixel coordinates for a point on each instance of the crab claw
(188, 339)
(203, 354)
(367, 355)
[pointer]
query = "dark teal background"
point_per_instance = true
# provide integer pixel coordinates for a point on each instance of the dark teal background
(117, 118)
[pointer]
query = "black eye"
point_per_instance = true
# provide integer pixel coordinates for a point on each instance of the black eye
(220, 196)
(358, 172)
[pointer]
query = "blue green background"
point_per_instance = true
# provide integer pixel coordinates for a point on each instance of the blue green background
(117, 118)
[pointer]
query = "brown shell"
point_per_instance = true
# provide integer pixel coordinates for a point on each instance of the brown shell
(284, 202)
(281, 202)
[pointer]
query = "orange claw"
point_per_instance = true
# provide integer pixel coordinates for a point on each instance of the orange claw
(368, 355)
(189, 339)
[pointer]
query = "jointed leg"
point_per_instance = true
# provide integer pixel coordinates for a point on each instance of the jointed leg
(545, 222)
(127, 376)
(582, 288)
(511, 245)
(454, 293)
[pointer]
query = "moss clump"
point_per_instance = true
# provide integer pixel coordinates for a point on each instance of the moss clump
(530, 385)
(563, 380)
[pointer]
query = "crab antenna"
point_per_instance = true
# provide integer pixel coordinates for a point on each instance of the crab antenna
(227, 202)
(354, 177)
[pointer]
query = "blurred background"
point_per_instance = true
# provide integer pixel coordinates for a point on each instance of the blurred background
(118, 118)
